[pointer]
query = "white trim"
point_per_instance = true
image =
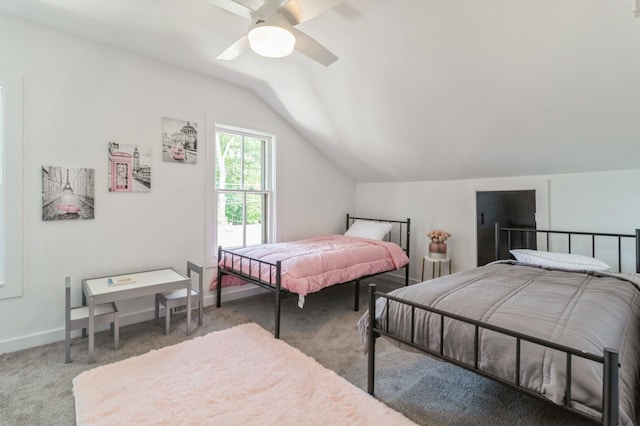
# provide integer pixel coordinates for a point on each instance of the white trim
(209, 188)
(635, 4)
(538, 184)
(57, 335)
(12, 219)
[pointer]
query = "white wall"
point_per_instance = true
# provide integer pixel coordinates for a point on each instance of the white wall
(599, 202)
(79, 95)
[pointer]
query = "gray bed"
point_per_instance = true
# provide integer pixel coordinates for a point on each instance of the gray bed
(525, 326)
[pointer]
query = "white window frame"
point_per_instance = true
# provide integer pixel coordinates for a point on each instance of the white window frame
(212, 194)
(11, 187)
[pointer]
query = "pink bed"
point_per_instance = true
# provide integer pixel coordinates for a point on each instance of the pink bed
(313, 264)
(307, 266)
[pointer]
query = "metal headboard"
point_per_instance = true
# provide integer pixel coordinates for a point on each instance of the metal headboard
(529, 232)
(403, 237)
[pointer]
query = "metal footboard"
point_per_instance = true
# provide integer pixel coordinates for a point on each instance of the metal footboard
(230, 263)
(609, 361)
(240, 266)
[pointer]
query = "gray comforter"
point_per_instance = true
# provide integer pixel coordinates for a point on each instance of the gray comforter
(579, 310)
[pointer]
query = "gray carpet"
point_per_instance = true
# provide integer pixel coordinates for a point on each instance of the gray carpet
(35, 384)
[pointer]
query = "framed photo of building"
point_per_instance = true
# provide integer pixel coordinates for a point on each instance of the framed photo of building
(67, 193)
(179, 141)
(129, 168)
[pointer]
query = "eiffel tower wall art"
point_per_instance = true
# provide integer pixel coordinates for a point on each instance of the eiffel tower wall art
(67, 193)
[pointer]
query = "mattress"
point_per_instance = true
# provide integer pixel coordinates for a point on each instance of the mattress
(312, 264)
(584, 311)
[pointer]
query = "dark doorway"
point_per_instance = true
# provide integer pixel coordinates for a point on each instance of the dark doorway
(512, 209)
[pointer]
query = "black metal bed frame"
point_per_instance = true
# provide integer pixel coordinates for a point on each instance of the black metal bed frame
(609, 359)
(228, 261)
(529, 231)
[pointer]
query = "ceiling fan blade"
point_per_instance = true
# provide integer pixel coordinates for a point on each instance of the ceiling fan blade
(242, 8)
(236, 49)
(311, 48)
(298, 11)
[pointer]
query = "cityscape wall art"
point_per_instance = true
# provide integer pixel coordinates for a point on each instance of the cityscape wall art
(129, 168)
(179, 141)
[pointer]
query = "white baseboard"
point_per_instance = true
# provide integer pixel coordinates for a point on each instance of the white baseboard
(229, 294)
(57, 335)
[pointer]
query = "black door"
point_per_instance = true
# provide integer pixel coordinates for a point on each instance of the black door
(512, 209)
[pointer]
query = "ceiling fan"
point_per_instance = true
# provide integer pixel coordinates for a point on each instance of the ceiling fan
(272, 33)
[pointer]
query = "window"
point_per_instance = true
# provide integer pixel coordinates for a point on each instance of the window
(11, 229)
(2, 185)
(243, 184)
(2, 197)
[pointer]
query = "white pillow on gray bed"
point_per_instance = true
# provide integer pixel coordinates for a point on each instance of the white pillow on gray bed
(568, 261)
(369, 229)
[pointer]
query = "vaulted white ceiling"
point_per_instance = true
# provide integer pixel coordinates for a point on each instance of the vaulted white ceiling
(423, 89)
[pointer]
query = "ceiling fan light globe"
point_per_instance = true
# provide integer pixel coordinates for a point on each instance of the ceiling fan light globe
(271, 41)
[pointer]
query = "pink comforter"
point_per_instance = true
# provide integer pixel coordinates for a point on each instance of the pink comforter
(313, 264)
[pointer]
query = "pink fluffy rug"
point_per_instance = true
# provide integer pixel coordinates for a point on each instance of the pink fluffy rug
(237, 376)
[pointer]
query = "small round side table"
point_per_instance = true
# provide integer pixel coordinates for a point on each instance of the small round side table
(435, 262)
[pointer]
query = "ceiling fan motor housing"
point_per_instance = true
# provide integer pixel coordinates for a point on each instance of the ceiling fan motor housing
(271, 34)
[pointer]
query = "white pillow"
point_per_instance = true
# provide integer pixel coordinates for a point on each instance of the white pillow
(571, 262)
(369, 229)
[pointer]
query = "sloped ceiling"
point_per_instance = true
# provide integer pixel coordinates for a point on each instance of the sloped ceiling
(423, 89)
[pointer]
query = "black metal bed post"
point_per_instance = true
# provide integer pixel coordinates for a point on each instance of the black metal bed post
(406, 274)
(406, 268)
(497, 239)
(219, 279)
(356, 297)
(276, 333)
(371, 336)
(611, 388)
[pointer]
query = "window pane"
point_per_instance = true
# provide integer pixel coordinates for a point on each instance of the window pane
(1, 188)
(230, 223)
(242, 182)
(1, 142)
(255, 219)
(253, 159)
(228, 161)
(11, 216)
